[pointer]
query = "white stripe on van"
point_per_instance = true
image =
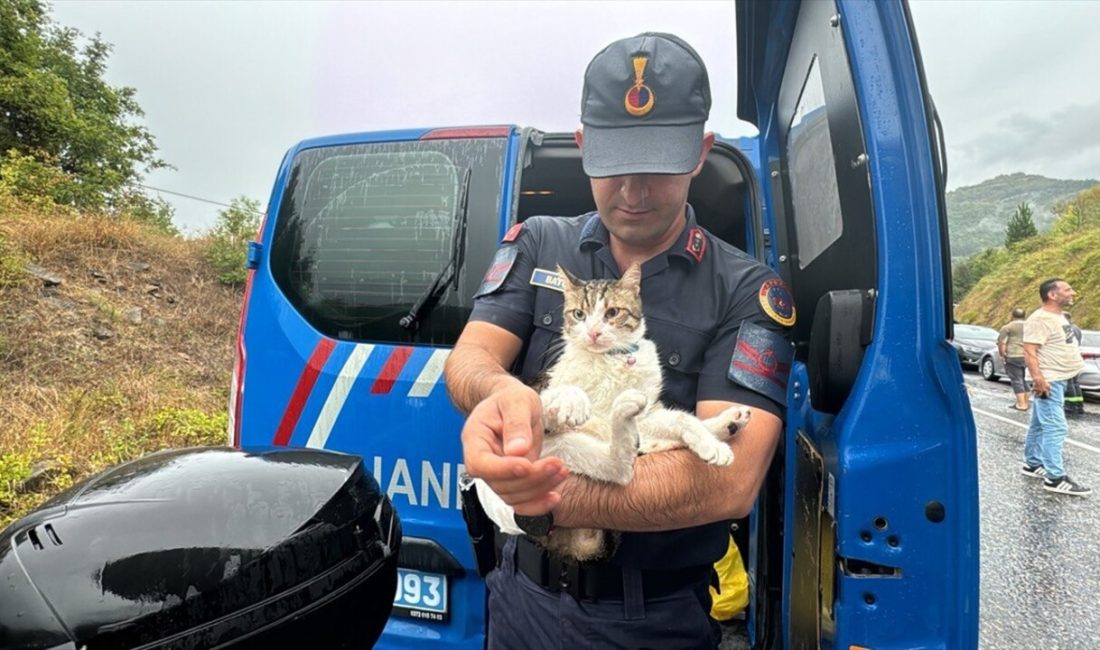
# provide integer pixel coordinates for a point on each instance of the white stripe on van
(338, 395)
(429, 376)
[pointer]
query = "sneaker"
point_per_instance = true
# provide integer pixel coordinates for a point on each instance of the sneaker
(1036, 471)
(1064, 485)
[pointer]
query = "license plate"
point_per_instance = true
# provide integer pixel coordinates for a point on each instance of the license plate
(421, 595)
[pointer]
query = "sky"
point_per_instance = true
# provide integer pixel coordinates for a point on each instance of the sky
(228, 87)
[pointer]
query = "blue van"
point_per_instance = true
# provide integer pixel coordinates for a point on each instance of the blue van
(866, 531)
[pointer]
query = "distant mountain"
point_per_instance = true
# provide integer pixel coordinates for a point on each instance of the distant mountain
(977, 214)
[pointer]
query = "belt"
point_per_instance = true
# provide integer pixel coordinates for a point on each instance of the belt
(597, 581)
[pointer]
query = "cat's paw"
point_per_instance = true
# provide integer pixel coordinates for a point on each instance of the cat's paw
(734, 419)
(719, 454)
(628, 404)
(565, 407)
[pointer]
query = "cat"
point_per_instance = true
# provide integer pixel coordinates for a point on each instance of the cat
(600, 405)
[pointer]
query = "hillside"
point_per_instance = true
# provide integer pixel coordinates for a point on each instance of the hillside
(1071, 251)
(115, 340)
(977, 214)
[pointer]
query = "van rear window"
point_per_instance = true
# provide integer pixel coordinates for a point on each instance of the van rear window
(363, 231)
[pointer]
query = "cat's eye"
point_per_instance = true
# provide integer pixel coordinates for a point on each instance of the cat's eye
(611, 312)
(578, 314)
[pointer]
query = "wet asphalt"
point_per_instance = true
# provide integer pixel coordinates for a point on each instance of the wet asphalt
(1040, 552)
(1040, 564)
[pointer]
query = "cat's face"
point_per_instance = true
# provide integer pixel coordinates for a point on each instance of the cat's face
(603, 315)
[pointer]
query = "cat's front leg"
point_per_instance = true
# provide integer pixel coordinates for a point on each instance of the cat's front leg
(564, 407)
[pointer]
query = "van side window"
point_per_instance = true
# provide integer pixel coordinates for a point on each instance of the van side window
(818, 222)
(364, 230)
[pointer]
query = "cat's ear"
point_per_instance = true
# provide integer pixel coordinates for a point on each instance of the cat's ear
(632, 278)
(569, 278)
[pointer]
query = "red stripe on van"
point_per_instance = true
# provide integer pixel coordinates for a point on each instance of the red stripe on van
(302, 390)
(391, 370)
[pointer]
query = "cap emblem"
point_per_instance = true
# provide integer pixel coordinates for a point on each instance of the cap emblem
(639, 98)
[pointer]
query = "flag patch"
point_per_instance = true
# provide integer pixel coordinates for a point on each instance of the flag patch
(498, 270)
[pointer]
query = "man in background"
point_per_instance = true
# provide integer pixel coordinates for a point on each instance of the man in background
(1010, 345)
(1053, 358)
(1075, 399)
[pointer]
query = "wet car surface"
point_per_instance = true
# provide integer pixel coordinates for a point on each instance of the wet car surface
(973, 341)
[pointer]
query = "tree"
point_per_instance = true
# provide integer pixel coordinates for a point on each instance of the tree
(228, 248)
(1020, 226)
(56, 108)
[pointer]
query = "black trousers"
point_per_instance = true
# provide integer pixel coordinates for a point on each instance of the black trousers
(524, 616)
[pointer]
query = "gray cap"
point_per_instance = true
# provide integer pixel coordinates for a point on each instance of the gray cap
(643, 107)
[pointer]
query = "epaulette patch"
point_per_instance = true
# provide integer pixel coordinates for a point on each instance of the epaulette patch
(776, 302)
(498, 271)
(761, 361)
(512, 233)
(549, 279)
(697, 244)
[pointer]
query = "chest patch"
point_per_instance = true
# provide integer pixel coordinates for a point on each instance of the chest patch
(547, 279)
(777, 302)
(498, 271)
(761, 361)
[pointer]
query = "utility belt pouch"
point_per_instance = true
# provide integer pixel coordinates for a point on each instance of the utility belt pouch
(478, 525)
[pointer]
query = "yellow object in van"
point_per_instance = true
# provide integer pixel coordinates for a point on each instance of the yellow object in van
(732, 594)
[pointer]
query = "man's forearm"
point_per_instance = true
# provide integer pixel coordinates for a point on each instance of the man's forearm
(1031, 358)
(670, 490)
(472, 375)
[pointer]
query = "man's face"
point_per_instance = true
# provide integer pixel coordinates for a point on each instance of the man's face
(643, 210)
(1062, 294)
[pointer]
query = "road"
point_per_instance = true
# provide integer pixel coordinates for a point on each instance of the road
(1040, 565)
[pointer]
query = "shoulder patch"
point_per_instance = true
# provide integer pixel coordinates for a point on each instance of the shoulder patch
(776, 302)
(696, 244)
(548, 279)
(512, 233)
(761, 361)
(498, 271)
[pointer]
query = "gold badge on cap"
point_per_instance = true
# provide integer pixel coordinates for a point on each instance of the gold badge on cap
(639, 98)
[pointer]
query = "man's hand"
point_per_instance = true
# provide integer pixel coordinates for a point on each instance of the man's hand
(1040, 386)
(501, 443)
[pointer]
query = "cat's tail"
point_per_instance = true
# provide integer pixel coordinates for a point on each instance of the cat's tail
(499, 512)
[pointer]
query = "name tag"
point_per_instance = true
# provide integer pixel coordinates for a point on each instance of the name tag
(548, 279)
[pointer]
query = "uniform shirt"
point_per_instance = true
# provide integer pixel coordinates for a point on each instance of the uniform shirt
(1013, 336)
(706, 306)
(1059, 354)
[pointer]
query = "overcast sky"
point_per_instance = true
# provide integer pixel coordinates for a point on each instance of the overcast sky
(227, 87)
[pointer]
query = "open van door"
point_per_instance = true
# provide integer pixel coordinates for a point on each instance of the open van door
(879, 484)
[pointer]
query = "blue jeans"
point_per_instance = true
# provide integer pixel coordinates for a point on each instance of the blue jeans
(1047, 432)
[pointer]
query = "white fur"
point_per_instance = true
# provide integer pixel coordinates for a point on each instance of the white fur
(600, 410)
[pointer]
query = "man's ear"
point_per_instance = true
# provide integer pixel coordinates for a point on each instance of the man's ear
(578, 135)
(708, 142)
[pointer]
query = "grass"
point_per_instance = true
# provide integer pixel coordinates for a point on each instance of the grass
(75, 402)
(1071, 253)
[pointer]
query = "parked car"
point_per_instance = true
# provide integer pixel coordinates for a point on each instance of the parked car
(1090, 351)
(972, 342)
(992, 367)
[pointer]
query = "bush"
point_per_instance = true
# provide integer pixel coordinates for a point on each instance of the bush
(12, 264)
(228, 246)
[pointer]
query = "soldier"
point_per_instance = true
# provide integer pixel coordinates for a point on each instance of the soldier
(644, 104)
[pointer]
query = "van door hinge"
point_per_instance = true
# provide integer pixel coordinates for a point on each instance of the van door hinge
(252, 260)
